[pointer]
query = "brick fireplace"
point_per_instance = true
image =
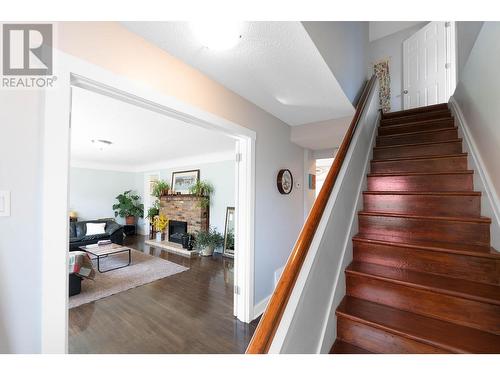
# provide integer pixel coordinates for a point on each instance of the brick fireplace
(185, 208)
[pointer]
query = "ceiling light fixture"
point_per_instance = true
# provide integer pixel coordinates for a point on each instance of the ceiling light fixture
(217, 35)
(101, 144)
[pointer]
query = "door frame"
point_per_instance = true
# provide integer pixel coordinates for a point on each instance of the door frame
(451, 59)
(72, 72)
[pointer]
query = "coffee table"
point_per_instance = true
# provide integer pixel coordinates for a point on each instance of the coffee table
(104, 251)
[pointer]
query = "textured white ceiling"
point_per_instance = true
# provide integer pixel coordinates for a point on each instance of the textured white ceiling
(140, 137)
(275, 65)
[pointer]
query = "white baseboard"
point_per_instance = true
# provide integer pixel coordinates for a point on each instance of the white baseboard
(490, 203)
(260, 307)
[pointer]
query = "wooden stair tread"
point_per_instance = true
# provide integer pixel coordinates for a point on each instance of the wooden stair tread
(418, 144)
(443, 113)
(471, 219)
(447, 193)
(417, 122)
(409, 158)
(441, 284)
(429, 245)
(342, 347)
(418, 132)
(434, 332)
(412, 111)
(424, 277)
(392, 174)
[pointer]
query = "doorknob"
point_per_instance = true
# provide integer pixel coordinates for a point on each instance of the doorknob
(405, 92)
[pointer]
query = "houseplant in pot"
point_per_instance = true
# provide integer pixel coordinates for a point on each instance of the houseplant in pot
(160, 223)
(160, 188)
(208, 241)
(129, 207)
(153, 211)
(203, 189)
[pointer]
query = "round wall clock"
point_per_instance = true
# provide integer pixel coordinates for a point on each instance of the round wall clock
(285, 181)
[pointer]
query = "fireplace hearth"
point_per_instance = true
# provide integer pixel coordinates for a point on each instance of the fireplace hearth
(176, 229)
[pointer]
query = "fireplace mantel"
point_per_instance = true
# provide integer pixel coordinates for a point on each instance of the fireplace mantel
(186, 207)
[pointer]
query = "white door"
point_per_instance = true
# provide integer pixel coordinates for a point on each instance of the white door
(427, 61)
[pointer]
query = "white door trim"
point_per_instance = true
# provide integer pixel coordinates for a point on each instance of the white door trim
(451, 58)
(72, 71)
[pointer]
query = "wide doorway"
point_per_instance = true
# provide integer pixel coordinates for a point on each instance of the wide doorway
(152, 204)
(58, 161)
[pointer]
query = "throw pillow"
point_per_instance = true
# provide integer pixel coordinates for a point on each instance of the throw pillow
(95, 228)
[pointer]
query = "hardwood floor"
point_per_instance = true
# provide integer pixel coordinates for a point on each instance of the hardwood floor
(190, 312)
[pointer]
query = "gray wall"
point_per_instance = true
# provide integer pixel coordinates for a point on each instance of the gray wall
(92, 192)
(278, 218)
(478, 96)
(467, 32)
(343, 46)
(222, 176)
(20, 234)
(391, 47)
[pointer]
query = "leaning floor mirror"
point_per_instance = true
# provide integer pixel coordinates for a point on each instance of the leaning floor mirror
(229, 233)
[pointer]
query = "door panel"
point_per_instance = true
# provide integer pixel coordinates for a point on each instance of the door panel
(424, 66)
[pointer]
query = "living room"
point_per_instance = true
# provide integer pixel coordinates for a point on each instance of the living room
(152, 206)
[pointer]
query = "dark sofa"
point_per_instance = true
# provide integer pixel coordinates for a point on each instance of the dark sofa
(78, 233)
(78, 237)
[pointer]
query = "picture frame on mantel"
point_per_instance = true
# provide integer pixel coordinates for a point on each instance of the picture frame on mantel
(183, 180)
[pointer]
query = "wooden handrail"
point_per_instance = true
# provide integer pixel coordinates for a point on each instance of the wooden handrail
(264, 333)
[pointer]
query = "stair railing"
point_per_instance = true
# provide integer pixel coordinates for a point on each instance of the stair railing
(266, 329)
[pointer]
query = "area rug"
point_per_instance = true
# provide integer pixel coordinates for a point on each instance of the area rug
(143, 269)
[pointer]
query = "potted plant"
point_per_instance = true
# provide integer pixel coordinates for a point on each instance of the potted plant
(160, 188)
(129, 207)
(203, 189)
(153, 211)
(160, 223)
(208, 241)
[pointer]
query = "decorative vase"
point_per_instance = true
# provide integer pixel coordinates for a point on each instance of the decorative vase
(159, 236)
(186, 242)
(207, 251)
(130, 220)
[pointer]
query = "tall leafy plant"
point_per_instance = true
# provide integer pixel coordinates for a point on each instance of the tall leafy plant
(160, 188)
(203, 189)
(128, 205)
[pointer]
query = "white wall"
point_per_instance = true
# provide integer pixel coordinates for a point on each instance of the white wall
(478, 96)
(222, 176)
(344, 47)
(93, 192)
(20, 234)
(321, 135)
(391, 47)
(467, 32)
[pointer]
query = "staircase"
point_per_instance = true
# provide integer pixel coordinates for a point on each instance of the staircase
(424, 278)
